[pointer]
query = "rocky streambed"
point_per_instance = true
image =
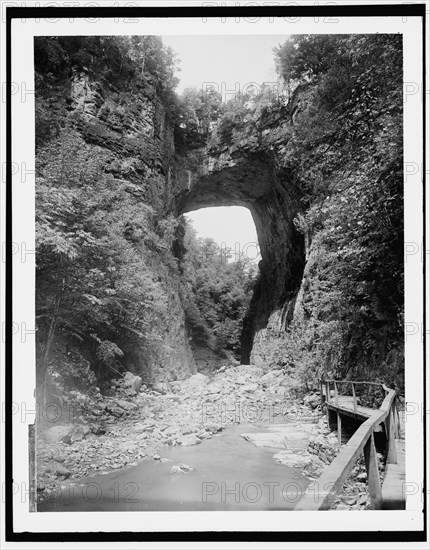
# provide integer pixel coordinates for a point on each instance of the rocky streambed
(241, 408)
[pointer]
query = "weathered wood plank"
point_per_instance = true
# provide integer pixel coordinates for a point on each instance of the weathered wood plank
(346, 405)
(383, 386)
(393, 494)
(354, 397)
(389, 423)
(339, 428)
(373, 481)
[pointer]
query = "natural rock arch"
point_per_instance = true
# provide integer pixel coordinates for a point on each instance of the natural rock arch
(251, 179)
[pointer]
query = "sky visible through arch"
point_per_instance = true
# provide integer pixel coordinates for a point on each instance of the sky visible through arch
(231, 62)
(230, 226)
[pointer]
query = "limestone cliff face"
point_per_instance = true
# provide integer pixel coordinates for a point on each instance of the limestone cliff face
(130, 123)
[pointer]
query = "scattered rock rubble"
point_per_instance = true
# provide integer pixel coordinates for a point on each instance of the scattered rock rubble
(102, 433)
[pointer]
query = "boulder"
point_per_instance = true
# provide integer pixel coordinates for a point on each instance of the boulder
(41, 486)
(62, 471)
(294, 436)
(213, 428)
(256, 372)
(79, 433)
(161, 388)
(173, 397)
(170, 431)
(181, 469)
(98, 429)
(265, 439)
(116, 411)
(198, 380)
(293, 459)
(272, 378)
(187, 440)
(214, 388)
(333, 439)
(251, 388)
(57, 433)
(319, 447)
(350, 501)
(140, 428)
(59, 458)
(126, 405)
(312, 400)
(132, 382)
(297, 434)
(191, 429)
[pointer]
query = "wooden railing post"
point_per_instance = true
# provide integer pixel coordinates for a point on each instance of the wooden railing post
(327, 401)
(373, 480)
(336, 396)
(391, 438)
(354, 397)
(397, 420)
(339, 428)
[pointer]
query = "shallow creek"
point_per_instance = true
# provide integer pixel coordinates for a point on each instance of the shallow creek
(229, 473)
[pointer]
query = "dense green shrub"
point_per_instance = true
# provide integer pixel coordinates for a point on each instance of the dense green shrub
(346, 151)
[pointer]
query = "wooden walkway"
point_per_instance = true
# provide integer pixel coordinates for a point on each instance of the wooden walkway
(346, 406)
(390, 494)
(393, 493)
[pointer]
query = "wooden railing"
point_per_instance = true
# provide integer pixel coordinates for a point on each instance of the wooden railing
(321, 493)
(327, 385)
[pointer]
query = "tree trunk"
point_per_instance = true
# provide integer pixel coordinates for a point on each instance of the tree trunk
(45, 361)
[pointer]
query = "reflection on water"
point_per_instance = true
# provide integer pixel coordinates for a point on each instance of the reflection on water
(229, 474)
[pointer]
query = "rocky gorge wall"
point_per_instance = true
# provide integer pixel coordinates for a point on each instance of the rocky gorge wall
(128, 121)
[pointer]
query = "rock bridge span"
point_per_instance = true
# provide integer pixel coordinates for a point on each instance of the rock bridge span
(251, 172)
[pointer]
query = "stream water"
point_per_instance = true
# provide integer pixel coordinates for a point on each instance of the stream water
(229, 473)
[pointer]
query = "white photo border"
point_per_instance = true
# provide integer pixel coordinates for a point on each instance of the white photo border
(23, 32)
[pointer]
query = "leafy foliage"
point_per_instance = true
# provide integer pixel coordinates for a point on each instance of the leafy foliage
(197, 112)
(119, 56)
(347, 152)
(218, 292)
(93, 244)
